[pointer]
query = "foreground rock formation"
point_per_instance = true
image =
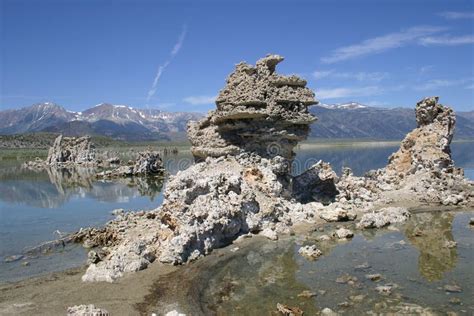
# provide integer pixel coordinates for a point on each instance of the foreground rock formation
(241, 183)
(258, 111)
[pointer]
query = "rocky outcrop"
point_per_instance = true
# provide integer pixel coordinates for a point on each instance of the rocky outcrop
(148, 163)
(384, 217)
(86, 310)
(258, 111)
(318, 183)
(71, 150)
(68, 152)
(427, 146)
(240, 185)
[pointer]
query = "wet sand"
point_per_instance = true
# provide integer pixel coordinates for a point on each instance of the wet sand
(52, 294)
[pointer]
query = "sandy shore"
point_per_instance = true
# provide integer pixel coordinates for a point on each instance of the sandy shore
(52, 294)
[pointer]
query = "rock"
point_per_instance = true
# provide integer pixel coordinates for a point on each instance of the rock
(363, 266)
(357, 298)
(346, 279)
(86, 310)
(114, 160)
(384, 217)
(148, 163)
(453, 288)
(318, 183)
(428, 144)
(25, 263)
(471, 221)
(269, 233)
(323, 238)
(374, 277)
(289, 310)
(258, 111)
(71, 150)
(118, 211)
(174, 313)
(450, 244)
(13, 258)
(310, 252)
(343, 233)
(328, 312)
(455, 301)
(337, 215)
(307, 294)
(384, 289)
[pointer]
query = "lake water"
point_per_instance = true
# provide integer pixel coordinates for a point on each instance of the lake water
(35, 206)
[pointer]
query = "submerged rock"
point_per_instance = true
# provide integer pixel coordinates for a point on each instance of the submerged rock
(343, 233)
(311, 252)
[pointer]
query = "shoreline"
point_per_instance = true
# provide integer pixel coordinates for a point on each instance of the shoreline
(156, 289)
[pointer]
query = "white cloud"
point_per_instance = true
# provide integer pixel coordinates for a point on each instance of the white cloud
(322, 74)
(162, 67)
(200, 100)
(381, 43)
(343, 92)
(426, 69)
(359, 76)
(440, 83)
(470, 87)
(447, 40)
(453, 15)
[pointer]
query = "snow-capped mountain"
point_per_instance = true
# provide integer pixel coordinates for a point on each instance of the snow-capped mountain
(348, 106)
(345, 120)
(116, 121)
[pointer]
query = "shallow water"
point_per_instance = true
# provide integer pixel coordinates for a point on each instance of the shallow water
(34, 206)
(250, 278)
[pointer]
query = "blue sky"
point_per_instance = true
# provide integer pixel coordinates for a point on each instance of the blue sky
(175, 55)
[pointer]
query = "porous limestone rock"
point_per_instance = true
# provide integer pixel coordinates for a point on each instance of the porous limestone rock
(318, 183)
(148, 163)
(343, 233)
(427, 146)
(311, 252)
(258, 111)
(384, 217)
(71, 150)
(86, 310)
(242, 184)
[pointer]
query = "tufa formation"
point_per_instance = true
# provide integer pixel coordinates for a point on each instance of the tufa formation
(258, 111)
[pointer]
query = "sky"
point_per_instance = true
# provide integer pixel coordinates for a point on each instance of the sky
(175, 55)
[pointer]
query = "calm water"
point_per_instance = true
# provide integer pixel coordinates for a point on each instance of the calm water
(34, 206)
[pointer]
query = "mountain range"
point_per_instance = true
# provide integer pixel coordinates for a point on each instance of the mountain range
(350, 120)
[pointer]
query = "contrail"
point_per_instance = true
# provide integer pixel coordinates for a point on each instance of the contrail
(162, 67)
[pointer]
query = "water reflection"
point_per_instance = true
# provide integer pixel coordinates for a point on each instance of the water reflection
(431, 234)
(262, 273)
(364, 157)
(53, 187)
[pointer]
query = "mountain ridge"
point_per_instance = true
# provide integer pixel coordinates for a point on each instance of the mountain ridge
(350, 120)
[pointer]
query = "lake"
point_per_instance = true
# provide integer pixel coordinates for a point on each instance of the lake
(39, 206)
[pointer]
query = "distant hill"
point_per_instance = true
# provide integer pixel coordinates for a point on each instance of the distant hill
(115, 121)
(120, 122)
(354, 120)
